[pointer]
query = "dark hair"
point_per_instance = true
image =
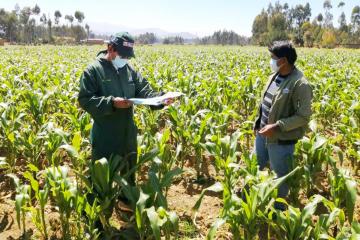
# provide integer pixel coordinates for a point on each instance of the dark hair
(112, 46)
(284, 49)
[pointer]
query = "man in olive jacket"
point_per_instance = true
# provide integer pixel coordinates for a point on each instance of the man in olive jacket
(105, 87)
(283, 114)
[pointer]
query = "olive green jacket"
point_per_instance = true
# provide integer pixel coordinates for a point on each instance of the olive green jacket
(291, 107)
(114, 130)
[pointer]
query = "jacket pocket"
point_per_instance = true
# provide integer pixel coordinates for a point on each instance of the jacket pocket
(294, 134)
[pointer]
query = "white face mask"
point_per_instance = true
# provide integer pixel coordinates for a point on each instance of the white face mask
(119, 62)
(273, 65)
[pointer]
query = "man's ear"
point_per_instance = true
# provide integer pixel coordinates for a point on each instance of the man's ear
(110, 48)
(283, 61)
(112, 51)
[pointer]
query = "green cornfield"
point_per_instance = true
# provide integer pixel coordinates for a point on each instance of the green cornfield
(195, 156)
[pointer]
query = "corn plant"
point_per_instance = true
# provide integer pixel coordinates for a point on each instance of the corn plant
(152, 208)
(335, 218)
(352, 232)
(245, 213)
(22, 206)
(64, 193)
(36, 104)
(149, 119)
(80, 214)
(294, 223)
(28, 196)
(53, 138)
(156, 219)
(299, 224)
(10, 124)
(22, 201)
(103, 174)
(315, 152)
(224, 150)
(92, 214)
(180, 119)
(350, 132)
(165, 156)
(4, 165)
(32, 147)
(343, 191)
(104, 187)
(78, 157)
(199, 124)
(189, 126)
(41, 196)
(149, 201)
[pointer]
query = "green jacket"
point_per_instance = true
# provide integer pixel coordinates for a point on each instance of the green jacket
(114, 130)
(291, 107)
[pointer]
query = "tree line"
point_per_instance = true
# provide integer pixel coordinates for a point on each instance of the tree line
(151, 38)
(280, 22)
(29, 26)
(221, 37)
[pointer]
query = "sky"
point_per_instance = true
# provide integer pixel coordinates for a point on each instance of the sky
(200, 17)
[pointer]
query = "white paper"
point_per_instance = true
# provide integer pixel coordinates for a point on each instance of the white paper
(155, 101)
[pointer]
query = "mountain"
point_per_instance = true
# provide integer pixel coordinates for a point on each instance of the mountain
(110, 28)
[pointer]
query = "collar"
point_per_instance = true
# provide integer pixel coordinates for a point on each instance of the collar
(285, 76)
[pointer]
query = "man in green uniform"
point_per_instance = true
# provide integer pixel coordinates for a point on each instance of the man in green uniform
(105, 86)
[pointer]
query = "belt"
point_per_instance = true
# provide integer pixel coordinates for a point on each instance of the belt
(287, 142)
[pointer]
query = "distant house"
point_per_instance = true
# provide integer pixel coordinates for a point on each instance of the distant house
(93, 41)
(2, 42)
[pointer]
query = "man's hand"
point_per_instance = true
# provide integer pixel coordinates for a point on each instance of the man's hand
(168, 101)
(119, 102)
(268, 130)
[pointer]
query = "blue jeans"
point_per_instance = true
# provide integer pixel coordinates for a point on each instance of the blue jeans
(280, 157)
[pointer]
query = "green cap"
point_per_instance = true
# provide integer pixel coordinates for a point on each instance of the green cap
(124, 44)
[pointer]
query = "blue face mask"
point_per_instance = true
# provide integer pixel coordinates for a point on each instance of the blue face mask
(119, 62)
